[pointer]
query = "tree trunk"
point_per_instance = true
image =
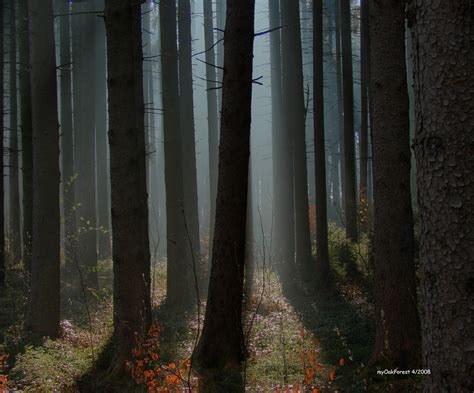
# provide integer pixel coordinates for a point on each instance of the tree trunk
(340, 114)
(83, 29)
(322, 252)
(350, 207)
(221, 348)
(14, 185)
(188, 136)
(180, 280)
(43, 313)
(2, 196)
(444, 98)
(293, 100)
(26, 131)
(67, 144)
(131, 252)
(397, 338)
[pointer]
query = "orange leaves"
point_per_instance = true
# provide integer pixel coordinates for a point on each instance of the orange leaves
(332, 375)
(315, 390)
(341, 362)
(3, 378)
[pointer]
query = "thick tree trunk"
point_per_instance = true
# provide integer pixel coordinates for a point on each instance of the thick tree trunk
(43, 312)
(444, 97)
(188, 136)
(26, 131)
(397, 338)
(212, 116)
(67, 144)
(131, 252)
(2, 196)
(83, 29)
(322, 253)
(180, 280)
(350, 203)
(14, 185)
(221, 348)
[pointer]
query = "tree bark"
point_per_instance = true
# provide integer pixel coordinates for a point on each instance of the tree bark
(26, 132)
(131, 252)
(397, 338)
(221, 347)
(350, 208)
(444, 99)
(2, 196)
(43, 312)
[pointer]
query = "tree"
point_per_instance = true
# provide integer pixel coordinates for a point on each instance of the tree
(26, 131)
(350, 203)
(2, 196)
(294, 123)
(180, 280)
(131, 252)
(220, 350)
(67, 141)
(43, 312)
(14, 185)
(322, 252)
(397, 336)
(444, 104)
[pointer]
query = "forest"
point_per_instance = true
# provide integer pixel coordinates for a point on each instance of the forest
(228, 196)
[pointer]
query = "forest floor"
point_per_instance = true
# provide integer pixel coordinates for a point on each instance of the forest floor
(298, 340)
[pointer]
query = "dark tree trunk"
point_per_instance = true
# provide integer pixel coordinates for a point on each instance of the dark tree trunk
(188, 136)
(14, 185)
(350, 208)
(221, 348)
(131, 252)
(212, 117)
(340, 115)
(221, 8)
(102, 170)
(67, 144)
(2, 196)
(180, 280)
(26, 131)
(397, 338)
(293, 100)
(84, 30)
(322, 252)
(43, 313)
(444, 98)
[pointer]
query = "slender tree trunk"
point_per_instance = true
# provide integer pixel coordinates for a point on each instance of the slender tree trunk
(221, 348)
(14, 184)
(444, 99)
(84, 30)
(67, 144)
(293, 100)
(26, 131)
(397, 338)
(131, 252)
(322, 252)
(43, 312)
(221, 8)
(340, 114)
(350, 202)
(102, 170)
(188, 135)
(2, 196)
(212, 116)
(180, 280)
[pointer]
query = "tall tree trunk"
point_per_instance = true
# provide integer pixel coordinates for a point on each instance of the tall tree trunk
(340, 114)
(83, 29)
(350, 202)
(188, 136)
(131, 252)
(322, 252)
(102, 170)
(221, 8)
(221, 347)
(180, 280)
(397, 338)
(67, 144)
(14, 185)
(212, 116)
(2, 196)
(444, 98)
(26, 131)
(293, 100)
(43, 312)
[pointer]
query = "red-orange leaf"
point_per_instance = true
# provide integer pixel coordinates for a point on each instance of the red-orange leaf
(331, 375)
(341, 362)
